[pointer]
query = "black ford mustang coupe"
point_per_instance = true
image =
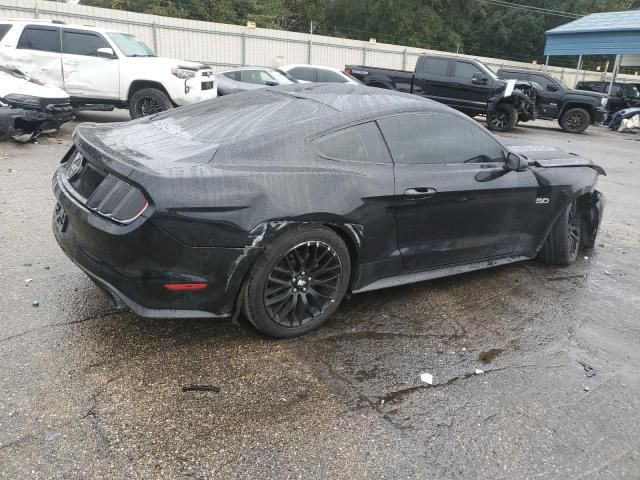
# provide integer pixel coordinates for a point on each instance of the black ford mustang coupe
(280, 201)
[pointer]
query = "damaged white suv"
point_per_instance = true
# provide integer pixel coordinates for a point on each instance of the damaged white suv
(98, 66)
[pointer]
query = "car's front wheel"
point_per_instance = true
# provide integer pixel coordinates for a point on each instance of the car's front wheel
(503, 118)
(575, 120)
(148, 101)
(298, 283)
(563, 243)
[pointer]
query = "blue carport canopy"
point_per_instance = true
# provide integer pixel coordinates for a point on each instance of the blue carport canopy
(613, 33)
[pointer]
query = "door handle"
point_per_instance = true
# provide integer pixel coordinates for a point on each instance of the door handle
(67, 62)
(419, 192)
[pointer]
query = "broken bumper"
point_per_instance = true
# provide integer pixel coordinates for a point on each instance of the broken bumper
(18, 121)
(134, 263)
(599, 116)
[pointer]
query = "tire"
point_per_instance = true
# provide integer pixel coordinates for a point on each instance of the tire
(503, 118)
(148, 101)
(575, 120)
(563, 243)
(298, 283)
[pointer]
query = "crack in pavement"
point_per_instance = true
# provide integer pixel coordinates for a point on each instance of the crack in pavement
(26, 332)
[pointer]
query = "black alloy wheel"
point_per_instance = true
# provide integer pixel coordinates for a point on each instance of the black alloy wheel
(573, 230)
(575, 120)
(298, 282)
(303, 284)
(503, 118)
(149, 106)
(565, 238)
(148, 101)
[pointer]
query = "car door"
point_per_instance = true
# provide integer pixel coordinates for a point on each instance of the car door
(432, 79)
(87, 72)
(470, 94)
(551, 95)
(38, 54)
(454, 200)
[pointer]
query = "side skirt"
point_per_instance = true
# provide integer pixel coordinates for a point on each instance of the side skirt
(437, 273)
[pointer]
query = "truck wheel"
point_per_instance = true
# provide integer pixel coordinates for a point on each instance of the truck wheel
(562, 245)
(503, 118)
(575, 120)
(148, 101)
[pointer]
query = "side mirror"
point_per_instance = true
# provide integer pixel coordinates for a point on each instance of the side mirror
(271, 83)
(106, 52)
(515, 162)
(619, 94)
(479, 78)
(552, 87)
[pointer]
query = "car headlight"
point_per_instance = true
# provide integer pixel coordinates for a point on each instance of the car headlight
(183, 73)
(604, 101)
(23, 100)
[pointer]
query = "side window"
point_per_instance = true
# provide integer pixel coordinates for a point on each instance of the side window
(329, 76)
(45, 39)
(434, 66)
(255, 76)
(233, 75)
(4, 28)
(541, 80)
(361, 143)
(302, 73)
(82, 43)
(433, 138)
(617, 91)
(465, 70)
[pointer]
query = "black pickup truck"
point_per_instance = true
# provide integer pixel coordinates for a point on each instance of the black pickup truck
(575, 110)
(461, 83)
(623, 95)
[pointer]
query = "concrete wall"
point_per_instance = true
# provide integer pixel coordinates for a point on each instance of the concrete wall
(223, 45)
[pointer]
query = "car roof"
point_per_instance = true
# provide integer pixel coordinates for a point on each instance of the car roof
(523, 70)
(245, 68)
(319, 67)
(55, 23)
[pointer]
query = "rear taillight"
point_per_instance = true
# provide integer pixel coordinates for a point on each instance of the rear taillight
(118, 200)
(348, 71)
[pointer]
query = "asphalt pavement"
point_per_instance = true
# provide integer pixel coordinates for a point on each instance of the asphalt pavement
(535, 368)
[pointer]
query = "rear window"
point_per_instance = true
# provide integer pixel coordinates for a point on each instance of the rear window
(434, 65)
(361, 143)
(303, 73)
(4, 28)
(45, 39)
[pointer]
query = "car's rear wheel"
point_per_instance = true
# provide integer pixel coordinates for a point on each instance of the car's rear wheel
(563, 243)
(503, 118)
(148, 101)
(298, 283)
(575, 120)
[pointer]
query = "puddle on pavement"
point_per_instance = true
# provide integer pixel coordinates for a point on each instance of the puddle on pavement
(489, 356)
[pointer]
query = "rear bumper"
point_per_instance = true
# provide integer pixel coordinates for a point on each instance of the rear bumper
(134, 262)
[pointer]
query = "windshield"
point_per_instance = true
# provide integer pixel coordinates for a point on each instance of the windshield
(632, 91)
(130, 45)
(282, 77)
(490, 71)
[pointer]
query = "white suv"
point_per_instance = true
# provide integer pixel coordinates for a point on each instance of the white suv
(98, 66)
